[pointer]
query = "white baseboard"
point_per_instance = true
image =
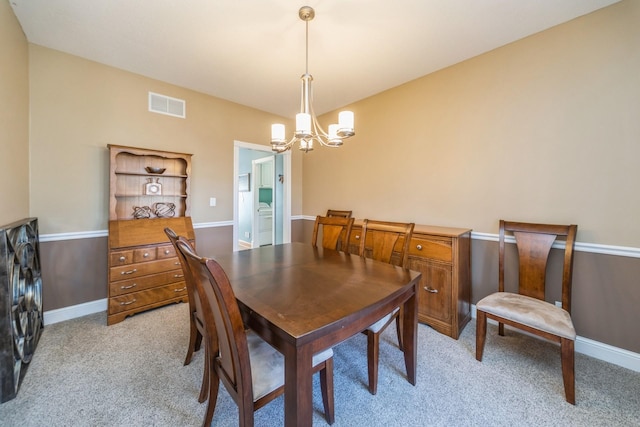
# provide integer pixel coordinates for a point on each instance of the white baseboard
(617, 356)
(608, 353)
(73, 311)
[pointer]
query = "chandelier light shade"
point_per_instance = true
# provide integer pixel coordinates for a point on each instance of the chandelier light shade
(308, 128)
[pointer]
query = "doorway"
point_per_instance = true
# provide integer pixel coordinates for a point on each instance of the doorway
(262, 196)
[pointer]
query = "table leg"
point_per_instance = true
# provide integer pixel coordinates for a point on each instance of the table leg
(410, 335)
(298, 387)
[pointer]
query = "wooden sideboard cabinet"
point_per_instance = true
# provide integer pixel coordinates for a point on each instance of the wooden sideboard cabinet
(144, 270)
(443, 256)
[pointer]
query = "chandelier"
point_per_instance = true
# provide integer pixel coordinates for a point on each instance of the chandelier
(308, 129)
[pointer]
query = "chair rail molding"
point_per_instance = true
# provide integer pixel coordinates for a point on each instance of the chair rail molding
(624, 251)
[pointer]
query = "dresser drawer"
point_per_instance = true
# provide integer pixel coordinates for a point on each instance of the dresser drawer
(144, 254)
(145, 282)
(139, 299)
(120, 258)
(166, 251)
(431, 249)
(143, 269)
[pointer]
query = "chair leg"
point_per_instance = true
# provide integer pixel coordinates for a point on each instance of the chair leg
(481, 333)
(326, 386)
(501, 329)
(198, 343)
(214, 385)
(193, 341)
(373, 349)
(568, 369)
(399, 330)
(204, 388)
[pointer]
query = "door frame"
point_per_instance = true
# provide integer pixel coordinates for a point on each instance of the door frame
(286, 214)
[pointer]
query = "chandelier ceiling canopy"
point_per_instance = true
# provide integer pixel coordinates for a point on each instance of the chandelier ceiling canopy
(308, 128)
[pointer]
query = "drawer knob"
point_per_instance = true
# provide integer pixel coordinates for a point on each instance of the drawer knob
(357, 237)
(430, 289)
(176, 263)
(177, 276)
(128, 302)
(129, 272)
(167, 251)
(122, 259)
(419, 247)
(129, 287)
(146, 254)
(180, 290)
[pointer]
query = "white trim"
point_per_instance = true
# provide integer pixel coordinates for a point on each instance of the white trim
(73, 236)
(605, 352)
(617, 356)
(595, 248)
(74, 311)
(623, 251)
(213, 224)
(104, 233)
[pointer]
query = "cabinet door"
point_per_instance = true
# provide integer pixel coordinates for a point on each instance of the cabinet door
(434, 297)
(266, 174)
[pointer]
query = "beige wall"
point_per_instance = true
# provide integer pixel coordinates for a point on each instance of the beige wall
(462, 147)
(545, 129)
(14, 118)
(79, 106)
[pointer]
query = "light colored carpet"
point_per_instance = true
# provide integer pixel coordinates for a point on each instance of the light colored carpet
(131, 374)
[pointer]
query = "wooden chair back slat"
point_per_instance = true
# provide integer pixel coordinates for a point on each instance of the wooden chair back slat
(534, 243)
(386, 241)
(335, 232)
(338, 213)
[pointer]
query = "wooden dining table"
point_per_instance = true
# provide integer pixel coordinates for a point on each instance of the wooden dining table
(303, 300)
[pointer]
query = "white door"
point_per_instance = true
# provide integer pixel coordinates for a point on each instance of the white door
(263, 225)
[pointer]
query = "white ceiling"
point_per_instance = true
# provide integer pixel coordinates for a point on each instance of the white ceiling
(253, 51)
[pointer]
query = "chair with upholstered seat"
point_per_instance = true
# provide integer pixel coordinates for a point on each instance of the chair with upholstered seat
(339, 213)
(335, 232)
(196, 319)
(387, 242)
(526, 308)
(251, 370)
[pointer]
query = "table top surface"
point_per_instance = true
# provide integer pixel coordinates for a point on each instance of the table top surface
(300, 289)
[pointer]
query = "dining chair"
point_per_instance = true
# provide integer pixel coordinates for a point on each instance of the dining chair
(196, 319)
(387, 242)
(339, 213)
(526, 308)
(335, 232)
(251, 370)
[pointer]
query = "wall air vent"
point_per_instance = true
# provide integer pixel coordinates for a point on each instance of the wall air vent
(166, 105)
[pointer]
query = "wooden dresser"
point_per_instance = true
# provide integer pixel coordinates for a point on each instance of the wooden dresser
(144, 270)
(443, 256)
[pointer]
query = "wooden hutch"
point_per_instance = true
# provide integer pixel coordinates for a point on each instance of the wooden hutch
(148, 191)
